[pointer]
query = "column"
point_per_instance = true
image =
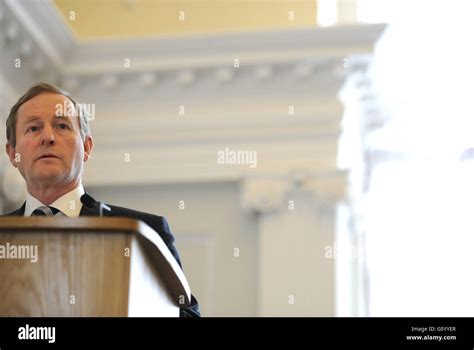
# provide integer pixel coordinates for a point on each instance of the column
(296, 220)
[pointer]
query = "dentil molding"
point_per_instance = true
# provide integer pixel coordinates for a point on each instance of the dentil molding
(37, 34)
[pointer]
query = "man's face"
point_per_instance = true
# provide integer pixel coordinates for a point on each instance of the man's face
(49, 148)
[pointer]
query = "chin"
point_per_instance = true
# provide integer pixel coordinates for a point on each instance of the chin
(49, 176)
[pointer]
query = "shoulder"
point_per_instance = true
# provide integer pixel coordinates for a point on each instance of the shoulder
(121, 211)
(157, 222)
(18, 212)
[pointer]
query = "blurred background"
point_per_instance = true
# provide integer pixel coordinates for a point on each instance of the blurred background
(313, 158)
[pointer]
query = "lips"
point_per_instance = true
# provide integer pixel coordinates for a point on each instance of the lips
(47, 156)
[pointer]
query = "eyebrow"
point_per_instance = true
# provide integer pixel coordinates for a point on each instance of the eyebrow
(31, 118)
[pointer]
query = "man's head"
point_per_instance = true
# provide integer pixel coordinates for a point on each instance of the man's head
(48, 137)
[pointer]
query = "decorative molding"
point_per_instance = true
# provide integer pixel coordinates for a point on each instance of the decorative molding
(267, 194)
(196, 163)
(231, 119)
(263, 195)
(37, 26)
(44, 26)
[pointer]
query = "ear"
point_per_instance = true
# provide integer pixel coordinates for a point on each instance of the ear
(88, 145)
(11, 154)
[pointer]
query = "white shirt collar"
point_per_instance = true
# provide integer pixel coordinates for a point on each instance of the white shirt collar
(70, 203)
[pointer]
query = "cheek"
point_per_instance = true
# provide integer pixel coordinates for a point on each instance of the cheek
(24, 151)
(78, 151)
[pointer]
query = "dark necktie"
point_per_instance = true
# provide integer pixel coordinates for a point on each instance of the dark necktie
(46, 211)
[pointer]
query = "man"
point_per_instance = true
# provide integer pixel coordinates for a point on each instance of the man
(48, 140)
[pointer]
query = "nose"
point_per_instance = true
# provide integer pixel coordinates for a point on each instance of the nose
(47, 136)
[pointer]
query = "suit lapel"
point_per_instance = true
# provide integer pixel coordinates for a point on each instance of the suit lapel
(86, 211)
(19, 212)
(90, 210)
(93, 209)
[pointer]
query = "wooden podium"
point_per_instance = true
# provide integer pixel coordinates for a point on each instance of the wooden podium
(87, 266)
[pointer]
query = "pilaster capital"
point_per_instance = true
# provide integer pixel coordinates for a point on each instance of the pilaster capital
(266, 194)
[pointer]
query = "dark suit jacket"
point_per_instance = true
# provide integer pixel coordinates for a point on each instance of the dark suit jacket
(158, 223)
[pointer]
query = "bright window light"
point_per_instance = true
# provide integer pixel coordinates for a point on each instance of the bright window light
(374, 11)
(327, 13)
(419, 217)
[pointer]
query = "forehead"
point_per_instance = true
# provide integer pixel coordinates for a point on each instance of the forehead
(45, 104)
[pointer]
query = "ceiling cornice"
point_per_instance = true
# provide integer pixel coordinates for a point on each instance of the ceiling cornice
(43, 25)
(37, 26)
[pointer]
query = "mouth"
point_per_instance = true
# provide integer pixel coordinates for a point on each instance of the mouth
(47, 156)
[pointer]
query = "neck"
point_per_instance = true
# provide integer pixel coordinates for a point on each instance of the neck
(49, 193)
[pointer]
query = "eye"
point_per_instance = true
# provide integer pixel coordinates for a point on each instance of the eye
(63, 126)
(32, 129)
